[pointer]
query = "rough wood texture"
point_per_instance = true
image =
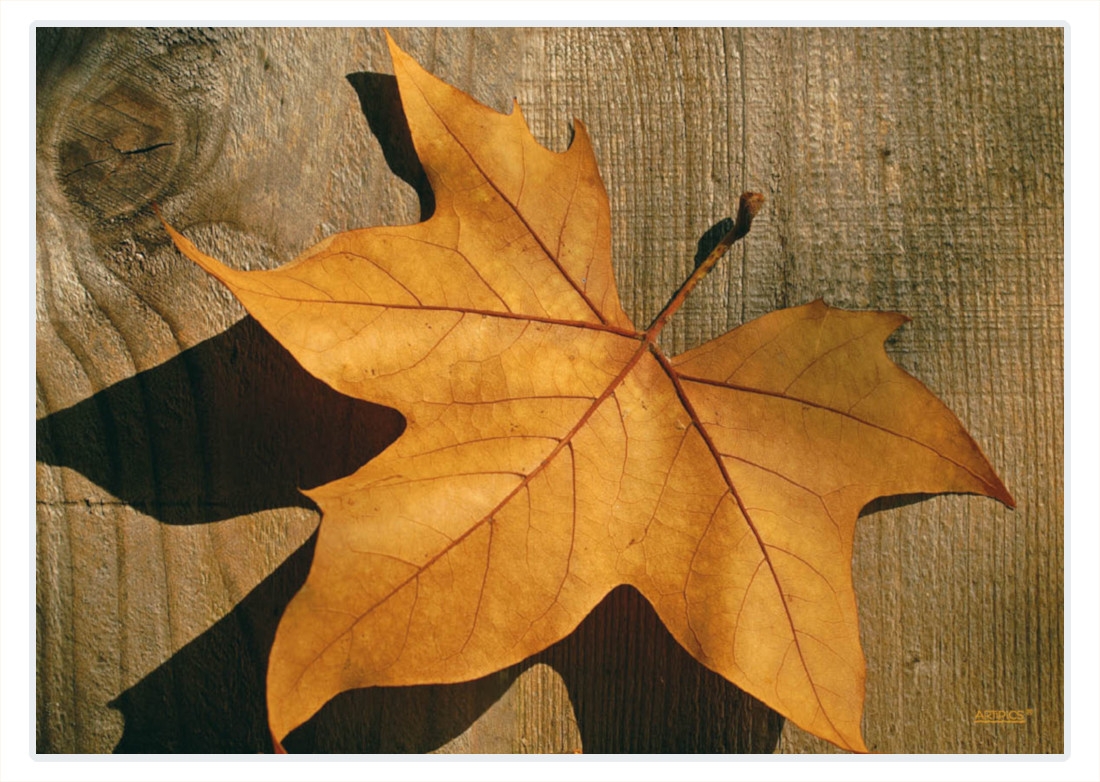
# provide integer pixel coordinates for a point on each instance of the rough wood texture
(917, 170)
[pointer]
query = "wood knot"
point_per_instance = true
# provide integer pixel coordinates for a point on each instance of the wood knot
(117, 150)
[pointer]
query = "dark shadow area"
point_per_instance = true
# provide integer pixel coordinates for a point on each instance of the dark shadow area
(636, 690)
(381, 104)
(893, 502)
(633, 688)
(209, 696)
(709, 240)
(229, 427)
(399, 719)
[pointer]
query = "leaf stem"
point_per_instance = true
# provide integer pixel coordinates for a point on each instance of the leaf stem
(747, 208)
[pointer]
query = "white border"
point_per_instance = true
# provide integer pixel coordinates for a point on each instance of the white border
(1082, 20)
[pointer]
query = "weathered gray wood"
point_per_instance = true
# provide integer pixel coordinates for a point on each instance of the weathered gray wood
(917, 170)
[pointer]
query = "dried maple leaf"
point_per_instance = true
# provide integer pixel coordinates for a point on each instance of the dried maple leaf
(553, 452)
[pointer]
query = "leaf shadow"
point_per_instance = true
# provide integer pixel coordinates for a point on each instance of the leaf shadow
(635, 689)
(710, 239)
(893, 502)
(209, 696)
(380, 102)
(227, 428)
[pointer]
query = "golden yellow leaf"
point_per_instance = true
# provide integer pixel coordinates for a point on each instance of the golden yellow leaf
(553, 452)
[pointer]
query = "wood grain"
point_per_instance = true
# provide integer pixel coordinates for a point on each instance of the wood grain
(918, 170)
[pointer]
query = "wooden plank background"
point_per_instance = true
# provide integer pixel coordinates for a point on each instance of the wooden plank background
(918, 170)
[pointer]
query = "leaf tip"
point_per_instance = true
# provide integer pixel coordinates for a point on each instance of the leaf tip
(396, 52)
(277, 745)
(1003, 495)
(581, 140)
(156, 211)
(518, 112)
(899, 320)
(211, 265)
